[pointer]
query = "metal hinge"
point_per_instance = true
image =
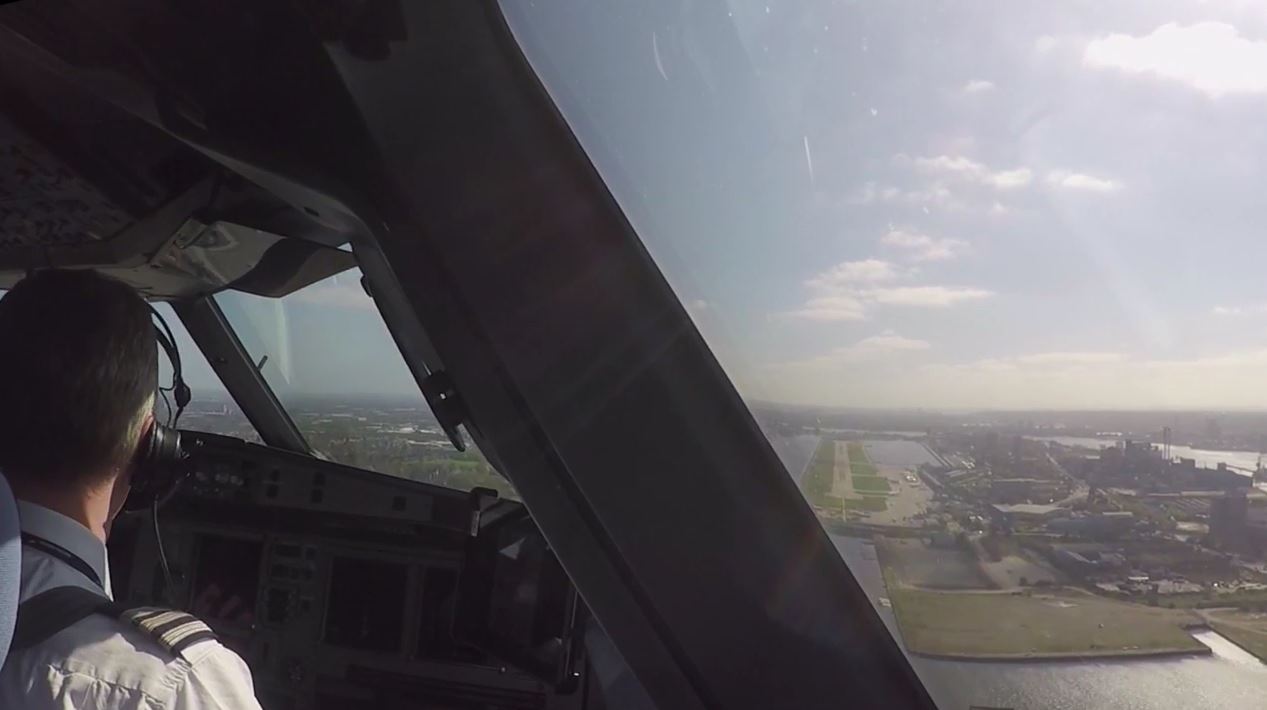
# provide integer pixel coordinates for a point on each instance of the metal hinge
(447, 405)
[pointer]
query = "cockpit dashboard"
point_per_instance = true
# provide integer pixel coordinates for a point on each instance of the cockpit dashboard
(343, 588)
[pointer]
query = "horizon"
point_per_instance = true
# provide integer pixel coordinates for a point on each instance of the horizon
(417, 399)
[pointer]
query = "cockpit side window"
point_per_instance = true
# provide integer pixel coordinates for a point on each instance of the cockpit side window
(326, 353)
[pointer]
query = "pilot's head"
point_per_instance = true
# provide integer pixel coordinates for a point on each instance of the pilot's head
(78, 373)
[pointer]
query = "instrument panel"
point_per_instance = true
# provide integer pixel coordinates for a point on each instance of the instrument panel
(340, 588)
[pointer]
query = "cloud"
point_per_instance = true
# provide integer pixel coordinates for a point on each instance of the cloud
(1045, 43)
(936, 195)
(849, 289)
(943, 171)
(1056, 380)
(1009, 179)
(922, 247)
(925, 296)
(831, 308)
(870, 349)
(949, 164)
(889, 341)
(1210, 57)
(835, 290)
(977, 86)
(1256, 359)
(871, 193)
(875, 348)
(1246, 309)
(848, 273)
(1081, 181)
(968, 169)
(1039, 362)
(1071, 358)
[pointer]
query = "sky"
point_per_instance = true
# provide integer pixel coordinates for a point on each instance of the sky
(325, 340)
(940, 205)
(953, 205)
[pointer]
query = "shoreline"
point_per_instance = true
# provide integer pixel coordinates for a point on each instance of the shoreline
(1101, 630)
(1066, 657)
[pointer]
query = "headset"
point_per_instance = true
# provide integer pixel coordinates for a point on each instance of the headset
(161, 462)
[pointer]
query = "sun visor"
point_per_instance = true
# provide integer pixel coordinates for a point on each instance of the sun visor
(201, 259)
(168, 242)
(218, 256)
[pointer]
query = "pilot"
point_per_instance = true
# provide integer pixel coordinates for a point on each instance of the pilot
(78, 375)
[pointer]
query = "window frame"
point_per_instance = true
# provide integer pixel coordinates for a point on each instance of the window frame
(215, 337)
(553, 386)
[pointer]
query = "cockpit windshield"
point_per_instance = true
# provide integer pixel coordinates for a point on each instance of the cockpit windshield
(210, 408)
(987, 275)
(328, 357)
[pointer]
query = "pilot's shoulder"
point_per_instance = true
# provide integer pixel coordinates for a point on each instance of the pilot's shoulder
(177, 633)
(158, 652)
(147, 638)
(202, 666)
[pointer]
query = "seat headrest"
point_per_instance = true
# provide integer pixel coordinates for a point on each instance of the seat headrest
(10, 565)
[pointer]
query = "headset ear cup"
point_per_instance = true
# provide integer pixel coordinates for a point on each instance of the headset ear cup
(161, 464)
(142, 472)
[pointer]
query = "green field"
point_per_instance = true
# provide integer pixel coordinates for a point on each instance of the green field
(870, 484)
(1064, 623)
(859, 463)
(870, 504)
(1251, 599)
(819, 476)
(1060, 623)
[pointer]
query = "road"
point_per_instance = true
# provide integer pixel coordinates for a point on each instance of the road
(1080, 488)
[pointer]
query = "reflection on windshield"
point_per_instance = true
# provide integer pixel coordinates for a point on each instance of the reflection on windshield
(998, 264)
(326, 353)
(210, 408)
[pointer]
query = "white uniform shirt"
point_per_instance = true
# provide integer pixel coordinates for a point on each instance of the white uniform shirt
(100, 663)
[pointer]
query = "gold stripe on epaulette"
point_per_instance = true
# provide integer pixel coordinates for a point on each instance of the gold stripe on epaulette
(182, 626)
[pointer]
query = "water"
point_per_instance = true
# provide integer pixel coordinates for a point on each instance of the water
(1211, 459)
(1086, 442)
(1229, 679)
(1205, 458)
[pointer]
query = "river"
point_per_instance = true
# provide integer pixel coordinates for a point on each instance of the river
(1205, 458)
(1228, 679)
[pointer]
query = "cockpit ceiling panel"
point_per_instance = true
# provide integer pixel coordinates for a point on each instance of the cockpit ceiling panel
(203, 259)
(51, 215)
(214, 255)
(43, 202)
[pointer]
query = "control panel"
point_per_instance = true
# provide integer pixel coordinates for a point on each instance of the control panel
(341, 588)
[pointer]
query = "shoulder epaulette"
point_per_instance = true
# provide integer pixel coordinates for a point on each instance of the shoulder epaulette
(175, 631)
(51, 611)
